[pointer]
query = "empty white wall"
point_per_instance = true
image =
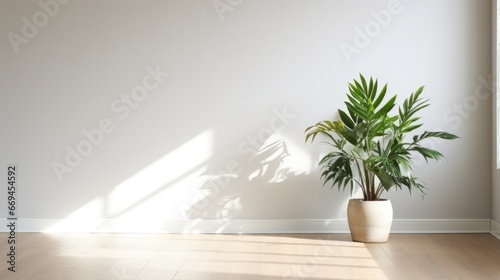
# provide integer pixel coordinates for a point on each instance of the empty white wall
(221, 135)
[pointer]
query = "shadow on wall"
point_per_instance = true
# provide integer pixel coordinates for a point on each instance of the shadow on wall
(231, 195)
(201, 178)
(267, 186)
(264, 185)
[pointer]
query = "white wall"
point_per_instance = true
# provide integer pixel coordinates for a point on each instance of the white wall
(242, 80)
(495, 226)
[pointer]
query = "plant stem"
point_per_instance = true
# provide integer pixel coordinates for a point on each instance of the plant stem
(380, 189)
(368, 184)
(362, 179)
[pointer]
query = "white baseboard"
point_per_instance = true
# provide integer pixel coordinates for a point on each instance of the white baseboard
(441, 226)
(495, 229)
(249, 226)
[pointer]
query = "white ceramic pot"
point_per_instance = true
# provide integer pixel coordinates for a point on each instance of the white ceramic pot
(369, 221)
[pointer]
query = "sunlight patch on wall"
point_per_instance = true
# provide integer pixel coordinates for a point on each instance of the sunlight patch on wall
(170, 168)
(86, 217)
(146, 196)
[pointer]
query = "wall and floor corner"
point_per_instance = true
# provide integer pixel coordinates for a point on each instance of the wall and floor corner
(161, 116)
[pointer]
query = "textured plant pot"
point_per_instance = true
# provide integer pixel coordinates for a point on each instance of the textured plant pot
(369, 221)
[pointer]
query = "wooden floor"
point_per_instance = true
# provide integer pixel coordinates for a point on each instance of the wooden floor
(289, 256)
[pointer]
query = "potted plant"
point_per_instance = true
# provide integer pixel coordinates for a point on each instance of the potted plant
(371, 150)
